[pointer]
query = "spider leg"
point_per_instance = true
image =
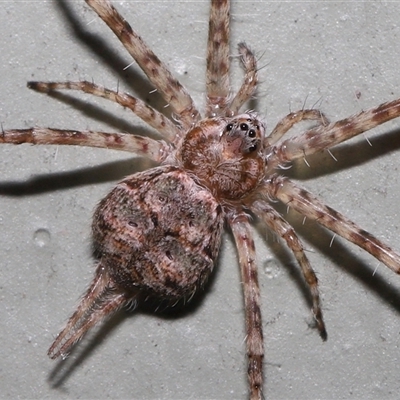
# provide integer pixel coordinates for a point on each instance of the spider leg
(283, 229)
(286, 123)
(217, 76)
(250, 79)
(254, 335)
(305, 203)
(101, 300)
(324, 137)
(148, 114)
(143, 146)
(158, 73)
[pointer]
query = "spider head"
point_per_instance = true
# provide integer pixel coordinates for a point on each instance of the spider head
(226, 154)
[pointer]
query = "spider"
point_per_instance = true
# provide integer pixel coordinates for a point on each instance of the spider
(214, 169)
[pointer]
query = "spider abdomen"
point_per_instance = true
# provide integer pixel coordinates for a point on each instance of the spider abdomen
(226, 155)
(158, 232)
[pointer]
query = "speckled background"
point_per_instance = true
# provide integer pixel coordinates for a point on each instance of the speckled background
(344, 56)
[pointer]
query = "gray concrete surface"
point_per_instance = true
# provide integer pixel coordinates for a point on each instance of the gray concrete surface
(344, 56)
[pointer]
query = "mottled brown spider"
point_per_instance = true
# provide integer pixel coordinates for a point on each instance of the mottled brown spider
(157, 234)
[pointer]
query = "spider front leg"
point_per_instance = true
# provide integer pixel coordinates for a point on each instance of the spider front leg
(324, 137)
(218, 86)
(217, 76)
(254, 335)
(147, 113)
(286, 123)
(158, 73)
(283, 229)
(153, 149)
(305, 203)
(250, 79)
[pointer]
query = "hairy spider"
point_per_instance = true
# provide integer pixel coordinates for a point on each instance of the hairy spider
(213, 170)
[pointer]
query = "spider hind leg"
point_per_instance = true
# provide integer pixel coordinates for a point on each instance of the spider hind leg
(101, 300)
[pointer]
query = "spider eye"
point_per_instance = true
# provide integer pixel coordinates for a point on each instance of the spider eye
(229, 127)
(252, 148)
(252, 133)
(244, 127)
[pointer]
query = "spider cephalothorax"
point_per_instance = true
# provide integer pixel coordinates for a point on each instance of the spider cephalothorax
(226, 155)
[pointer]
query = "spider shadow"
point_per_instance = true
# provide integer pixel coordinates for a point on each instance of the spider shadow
(65, 368)
(349, 155)
(343, 257)
(52, 182)
(339, 254)
(108, 56)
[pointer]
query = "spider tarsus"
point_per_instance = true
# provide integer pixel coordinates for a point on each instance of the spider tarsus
(38, 86)
(321, 329)
(317, 312)
(323, 333)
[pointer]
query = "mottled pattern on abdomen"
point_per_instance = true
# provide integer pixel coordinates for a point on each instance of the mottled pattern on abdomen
(160, 232)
